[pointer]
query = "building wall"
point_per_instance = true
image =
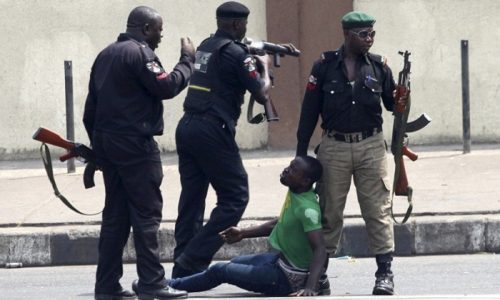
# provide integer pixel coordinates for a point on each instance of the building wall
(313, 27)
(40, 35)
(432, 31)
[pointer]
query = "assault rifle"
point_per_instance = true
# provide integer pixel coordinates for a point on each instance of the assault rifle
(74, 150)
(399, 146)
(277, 51)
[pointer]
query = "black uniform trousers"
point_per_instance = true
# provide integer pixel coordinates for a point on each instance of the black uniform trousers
(208, 154)
(132, 173)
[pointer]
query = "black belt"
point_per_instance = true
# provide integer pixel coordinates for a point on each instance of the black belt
(353, 137)
(207, 117)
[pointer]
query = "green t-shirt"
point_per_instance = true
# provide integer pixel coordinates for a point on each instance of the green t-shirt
(299, 215)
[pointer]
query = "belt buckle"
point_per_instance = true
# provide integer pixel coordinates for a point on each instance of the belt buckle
(352, 137)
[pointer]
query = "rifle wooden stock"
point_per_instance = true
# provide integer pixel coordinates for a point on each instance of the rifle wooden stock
(401, 188)
(49, 137)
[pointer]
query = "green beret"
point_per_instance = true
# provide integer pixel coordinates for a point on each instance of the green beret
(357, 19)
(232, 10)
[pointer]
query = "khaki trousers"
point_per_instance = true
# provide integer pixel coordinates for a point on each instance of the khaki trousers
(366, 162)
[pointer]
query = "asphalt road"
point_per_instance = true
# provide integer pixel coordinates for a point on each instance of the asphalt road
(420, 277)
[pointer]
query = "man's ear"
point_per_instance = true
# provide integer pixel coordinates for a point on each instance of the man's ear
(145, 29)
(235, 24)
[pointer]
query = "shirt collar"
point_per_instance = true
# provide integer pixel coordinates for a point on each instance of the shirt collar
(223, 34)
(127, 36)
(341, 51)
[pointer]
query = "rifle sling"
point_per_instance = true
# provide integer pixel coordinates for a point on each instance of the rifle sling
(47, 163)
(410, 193)
(258, 118)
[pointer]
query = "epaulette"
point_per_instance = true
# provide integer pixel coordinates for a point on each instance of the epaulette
(329, 56)
(148, 53)
(378, 59)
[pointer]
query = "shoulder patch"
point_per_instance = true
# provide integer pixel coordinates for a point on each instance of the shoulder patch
(250, 65)
(154, 67)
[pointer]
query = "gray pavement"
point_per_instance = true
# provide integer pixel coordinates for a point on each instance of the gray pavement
(456, 207)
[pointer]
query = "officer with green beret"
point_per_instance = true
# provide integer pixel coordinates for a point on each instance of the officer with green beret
(345, 88)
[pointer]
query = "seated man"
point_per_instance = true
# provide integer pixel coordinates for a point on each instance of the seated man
(296, 265)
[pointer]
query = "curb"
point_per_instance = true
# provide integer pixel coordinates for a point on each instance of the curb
(77, 245)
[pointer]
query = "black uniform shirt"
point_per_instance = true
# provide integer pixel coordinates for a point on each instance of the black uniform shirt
(126, 88)
(345, 106)
(235, 72)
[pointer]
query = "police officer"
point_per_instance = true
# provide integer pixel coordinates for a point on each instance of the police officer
(205, 138)
(345, 88)
(123, 112)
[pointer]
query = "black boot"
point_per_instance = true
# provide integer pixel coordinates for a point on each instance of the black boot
(164, 293)
(120, 294)
(384, 282)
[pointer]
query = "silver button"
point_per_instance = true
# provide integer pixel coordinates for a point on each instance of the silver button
(331, 92)
(353, 102)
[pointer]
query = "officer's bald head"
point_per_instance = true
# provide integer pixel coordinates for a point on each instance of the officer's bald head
(142, 15)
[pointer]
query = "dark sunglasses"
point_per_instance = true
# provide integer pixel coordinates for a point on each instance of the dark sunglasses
(364, 34)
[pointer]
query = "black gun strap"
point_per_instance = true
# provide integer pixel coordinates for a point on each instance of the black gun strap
(251, 118)
(410, 194)
(47, 163)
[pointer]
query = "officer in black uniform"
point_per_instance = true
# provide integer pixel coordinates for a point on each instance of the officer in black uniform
(123, 112)
(346, 87)
(205, 138)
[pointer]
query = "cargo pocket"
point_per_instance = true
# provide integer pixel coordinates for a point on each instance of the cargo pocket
(386, 184)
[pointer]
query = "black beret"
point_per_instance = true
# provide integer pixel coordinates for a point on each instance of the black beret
(356, 19)
(232, 10)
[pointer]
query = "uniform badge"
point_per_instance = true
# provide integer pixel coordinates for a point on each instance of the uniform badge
(154, 67)
(311, 84)
(249, 65)
(201, 61)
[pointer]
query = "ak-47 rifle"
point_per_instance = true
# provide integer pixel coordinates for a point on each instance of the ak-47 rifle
(74, 150)
(277, 51)
(399, 146)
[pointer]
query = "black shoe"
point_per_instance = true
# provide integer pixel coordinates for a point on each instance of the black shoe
(384, 285)
(166, 292)
(324, 286)
(118, 295)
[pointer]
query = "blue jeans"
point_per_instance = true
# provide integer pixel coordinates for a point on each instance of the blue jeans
(257, 273)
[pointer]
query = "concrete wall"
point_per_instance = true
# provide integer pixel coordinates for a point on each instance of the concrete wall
(432, 31)
(39, 35)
